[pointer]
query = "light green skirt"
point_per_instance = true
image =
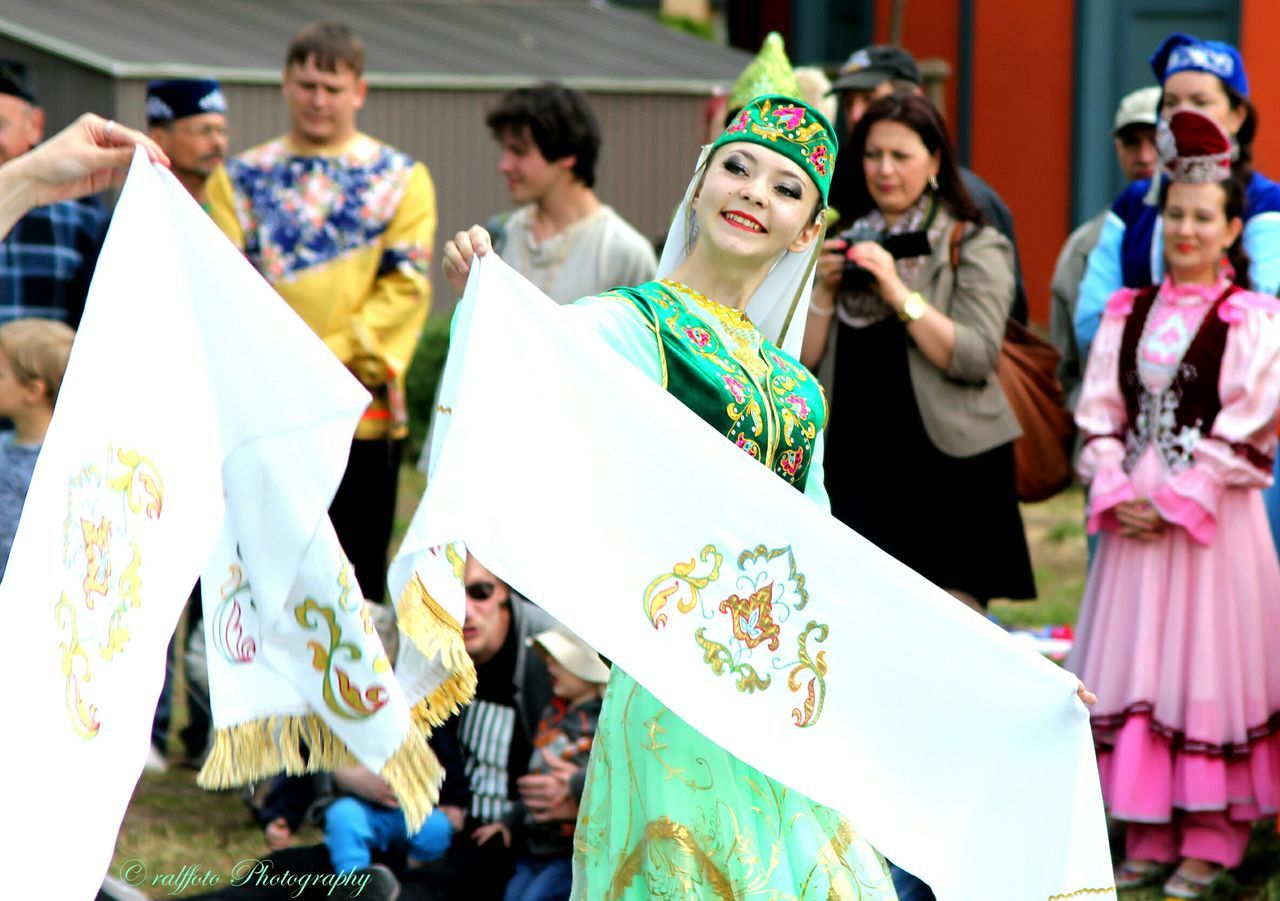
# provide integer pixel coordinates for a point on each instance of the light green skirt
(668, 815)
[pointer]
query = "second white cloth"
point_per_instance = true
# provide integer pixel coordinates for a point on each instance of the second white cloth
(754, 615)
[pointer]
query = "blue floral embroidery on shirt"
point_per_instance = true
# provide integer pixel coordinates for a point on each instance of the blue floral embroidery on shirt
(303, 211)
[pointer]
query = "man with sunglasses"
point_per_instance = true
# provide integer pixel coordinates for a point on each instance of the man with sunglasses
(495, 735)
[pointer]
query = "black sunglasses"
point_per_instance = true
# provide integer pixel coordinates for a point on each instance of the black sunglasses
(481, 591)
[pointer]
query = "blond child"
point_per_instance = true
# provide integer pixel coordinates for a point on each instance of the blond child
(33, 360)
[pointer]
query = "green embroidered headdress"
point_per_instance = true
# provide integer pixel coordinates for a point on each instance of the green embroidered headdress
(769, 72)
(792, 128)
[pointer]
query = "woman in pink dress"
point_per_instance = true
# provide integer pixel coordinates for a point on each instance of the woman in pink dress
(1179, 409)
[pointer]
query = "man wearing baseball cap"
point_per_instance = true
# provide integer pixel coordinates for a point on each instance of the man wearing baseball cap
(187, 117)
(1134, 135)
(48, 257)
(878, 71)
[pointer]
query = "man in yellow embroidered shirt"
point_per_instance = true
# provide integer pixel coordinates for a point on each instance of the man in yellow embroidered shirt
(342, 226)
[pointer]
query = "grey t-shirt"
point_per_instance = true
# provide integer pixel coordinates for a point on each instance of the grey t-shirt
(594, 254)
(17, 461)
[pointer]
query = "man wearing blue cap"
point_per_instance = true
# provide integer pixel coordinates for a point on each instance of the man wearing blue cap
(187, 117)
(46, 261)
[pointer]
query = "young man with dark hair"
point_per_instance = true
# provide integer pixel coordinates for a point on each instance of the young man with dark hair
(561, 237)
(342, 226)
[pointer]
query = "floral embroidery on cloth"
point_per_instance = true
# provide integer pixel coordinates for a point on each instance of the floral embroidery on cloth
(109, 503)
(749, 633)
(302, 211)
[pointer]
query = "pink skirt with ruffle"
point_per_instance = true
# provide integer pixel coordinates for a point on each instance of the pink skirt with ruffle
(1181, 643)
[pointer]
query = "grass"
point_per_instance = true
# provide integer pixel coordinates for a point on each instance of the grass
(172, 824)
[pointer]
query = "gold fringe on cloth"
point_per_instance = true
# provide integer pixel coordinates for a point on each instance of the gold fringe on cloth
(1080, 893)
(253, 751)
(438, 637)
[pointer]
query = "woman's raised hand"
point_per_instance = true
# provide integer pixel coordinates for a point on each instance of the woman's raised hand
(473, 242)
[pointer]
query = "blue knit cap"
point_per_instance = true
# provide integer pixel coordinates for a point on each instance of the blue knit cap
(1182, 53)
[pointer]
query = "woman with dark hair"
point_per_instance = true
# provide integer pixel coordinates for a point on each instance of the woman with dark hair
(1179, 413)
(919, 289)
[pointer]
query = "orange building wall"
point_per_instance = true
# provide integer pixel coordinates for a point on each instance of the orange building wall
(1022, 93)
(1023, 89)
(931, 28)
(1258, 46)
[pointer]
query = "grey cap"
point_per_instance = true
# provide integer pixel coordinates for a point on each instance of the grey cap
(1141, 107)
(870, 66)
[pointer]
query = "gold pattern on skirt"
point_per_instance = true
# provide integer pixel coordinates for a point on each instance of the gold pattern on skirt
(668, 815)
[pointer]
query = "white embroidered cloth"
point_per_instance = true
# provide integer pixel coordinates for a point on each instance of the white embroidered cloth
(755, 616)
(197, 410)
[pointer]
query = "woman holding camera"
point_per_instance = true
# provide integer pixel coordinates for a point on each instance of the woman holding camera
(920, 456)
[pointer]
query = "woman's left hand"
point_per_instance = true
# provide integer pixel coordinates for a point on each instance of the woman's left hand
(1085, 695)
(879, 262)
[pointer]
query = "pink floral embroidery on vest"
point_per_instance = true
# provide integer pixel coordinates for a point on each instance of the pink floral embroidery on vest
(736, 388)
(791, 461)
(698, 336)
(798, 405)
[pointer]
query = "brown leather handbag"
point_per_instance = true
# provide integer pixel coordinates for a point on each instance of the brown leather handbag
(1028, 372)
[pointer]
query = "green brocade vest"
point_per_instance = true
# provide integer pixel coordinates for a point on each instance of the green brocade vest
(721, 367)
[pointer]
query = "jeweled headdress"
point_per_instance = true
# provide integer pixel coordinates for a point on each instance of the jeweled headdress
(791, 127)
(1194, 148)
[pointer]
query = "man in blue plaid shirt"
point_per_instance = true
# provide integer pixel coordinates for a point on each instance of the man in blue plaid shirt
(46, 261)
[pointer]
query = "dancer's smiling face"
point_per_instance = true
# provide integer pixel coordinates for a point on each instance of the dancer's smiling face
(755, 202)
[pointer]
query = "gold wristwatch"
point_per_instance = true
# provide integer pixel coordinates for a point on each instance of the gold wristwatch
(913, 307)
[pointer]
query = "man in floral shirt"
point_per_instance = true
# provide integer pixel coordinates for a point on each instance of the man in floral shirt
(342, 226)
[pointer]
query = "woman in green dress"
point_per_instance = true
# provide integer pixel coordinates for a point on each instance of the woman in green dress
(666, 813)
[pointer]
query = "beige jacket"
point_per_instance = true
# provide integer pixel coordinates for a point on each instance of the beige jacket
(964, 409)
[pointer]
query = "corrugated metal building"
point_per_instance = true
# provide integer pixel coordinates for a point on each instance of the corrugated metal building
(434, 69)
